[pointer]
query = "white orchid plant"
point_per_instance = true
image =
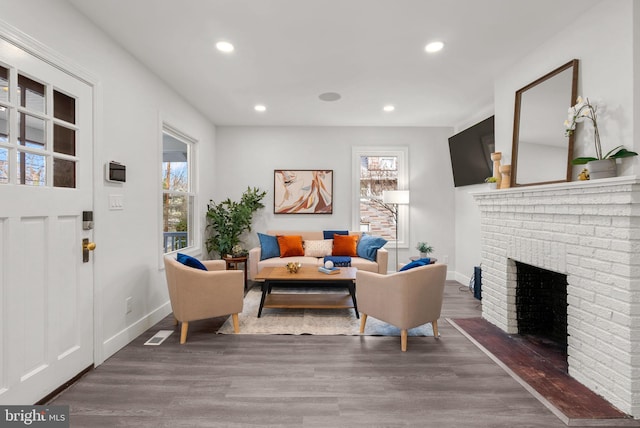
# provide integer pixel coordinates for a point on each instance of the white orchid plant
(584, 109)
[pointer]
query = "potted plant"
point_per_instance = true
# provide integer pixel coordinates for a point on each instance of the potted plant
(603, 165)
(424, 249)
(228, 220)
(492, 182)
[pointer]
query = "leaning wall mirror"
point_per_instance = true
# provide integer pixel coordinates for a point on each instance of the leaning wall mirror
(541, 153)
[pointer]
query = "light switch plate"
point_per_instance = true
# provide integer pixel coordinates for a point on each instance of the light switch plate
(116, 202)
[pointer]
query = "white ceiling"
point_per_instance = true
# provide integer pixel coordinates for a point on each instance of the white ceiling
(370, 51)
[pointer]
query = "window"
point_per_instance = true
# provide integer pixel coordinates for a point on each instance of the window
(178, 192)
(37, 133)
(374, 170)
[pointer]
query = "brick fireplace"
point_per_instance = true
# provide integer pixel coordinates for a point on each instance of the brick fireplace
(590, 232)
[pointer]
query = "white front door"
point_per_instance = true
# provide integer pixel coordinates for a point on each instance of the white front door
(46, 181)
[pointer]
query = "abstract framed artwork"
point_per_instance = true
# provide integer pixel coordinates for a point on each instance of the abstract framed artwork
(307, 191)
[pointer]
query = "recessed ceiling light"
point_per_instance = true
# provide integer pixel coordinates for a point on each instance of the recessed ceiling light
(224, 47)
(330, 96)
(388, 108)
(434, 47)
(260, 108)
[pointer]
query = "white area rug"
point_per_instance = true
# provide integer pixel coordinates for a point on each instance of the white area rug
(309, 321)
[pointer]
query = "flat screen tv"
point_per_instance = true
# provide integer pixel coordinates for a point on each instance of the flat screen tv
(471, 153)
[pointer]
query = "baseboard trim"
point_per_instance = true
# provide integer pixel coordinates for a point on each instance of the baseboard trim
(463, 279)
(125, 336)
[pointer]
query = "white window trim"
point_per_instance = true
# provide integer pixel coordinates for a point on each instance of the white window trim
(195, 247)
(402, 154)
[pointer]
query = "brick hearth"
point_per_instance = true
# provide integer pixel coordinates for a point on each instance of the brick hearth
(589, 231)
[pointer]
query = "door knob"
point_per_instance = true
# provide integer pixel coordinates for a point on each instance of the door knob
(86, 247)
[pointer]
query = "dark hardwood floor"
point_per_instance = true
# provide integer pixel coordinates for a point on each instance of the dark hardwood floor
(305, 381)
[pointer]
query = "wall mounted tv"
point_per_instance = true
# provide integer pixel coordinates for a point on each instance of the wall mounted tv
(471, 153)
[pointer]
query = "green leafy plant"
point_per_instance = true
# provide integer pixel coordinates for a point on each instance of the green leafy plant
(585, 110)
(228, 220)
(424, 248)
(491, 180)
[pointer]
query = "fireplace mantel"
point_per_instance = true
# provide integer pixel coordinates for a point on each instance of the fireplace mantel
(569, 185)
(589, 231)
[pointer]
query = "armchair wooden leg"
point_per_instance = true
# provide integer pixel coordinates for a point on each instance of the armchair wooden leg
(236, 323)
(435, 328)
(363, 321)
(183, 333)
(403, 340)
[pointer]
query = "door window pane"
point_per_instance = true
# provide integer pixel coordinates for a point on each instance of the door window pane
(64, 173)
(31, 94)
(64, 107)
(4, 124)
(64, 140)
(31, 131)
(4, 165)
(4, 84)
(31, 169)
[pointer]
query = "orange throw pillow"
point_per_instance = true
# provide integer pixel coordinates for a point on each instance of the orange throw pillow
(290, 245)
(345, 245)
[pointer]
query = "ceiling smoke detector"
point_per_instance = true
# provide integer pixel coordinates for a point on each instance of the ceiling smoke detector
(330, 96)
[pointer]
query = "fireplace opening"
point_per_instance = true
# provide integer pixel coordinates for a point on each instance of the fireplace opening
(541, 305)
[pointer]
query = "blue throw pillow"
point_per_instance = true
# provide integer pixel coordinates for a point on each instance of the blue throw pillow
(415, 263)
(328, 234)
(368, 246)
(190, 261)
(269, 246)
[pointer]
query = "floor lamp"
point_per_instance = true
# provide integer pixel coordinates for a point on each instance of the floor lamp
(395, 198)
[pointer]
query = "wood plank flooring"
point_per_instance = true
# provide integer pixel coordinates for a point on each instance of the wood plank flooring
(305, 381)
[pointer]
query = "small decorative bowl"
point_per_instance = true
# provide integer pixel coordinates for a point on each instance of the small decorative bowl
(293, 267)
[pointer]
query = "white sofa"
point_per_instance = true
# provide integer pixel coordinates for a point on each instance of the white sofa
(256, 265)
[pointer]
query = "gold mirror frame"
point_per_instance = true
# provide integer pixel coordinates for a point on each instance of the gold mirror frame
(553, 151)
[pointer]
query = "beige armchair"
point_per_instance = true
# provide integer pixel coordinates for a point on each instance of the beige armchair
(198, 294)
(405, 299)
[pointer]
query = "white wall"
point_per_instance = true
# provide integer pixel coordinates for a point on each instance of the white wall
(131, 104)
(602, 39)
(247, 156)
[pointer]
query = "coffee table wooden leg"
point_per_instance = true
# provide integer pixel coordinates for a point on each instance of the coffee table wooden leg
(352, 292)
(265, 287)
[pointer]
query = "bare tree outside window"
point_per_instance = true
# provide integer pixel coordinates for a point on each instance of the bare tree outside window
(377, 173)
(177, 196)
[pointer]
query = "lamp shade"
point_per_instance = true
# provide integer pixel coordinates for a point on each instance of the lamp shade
(397, 197)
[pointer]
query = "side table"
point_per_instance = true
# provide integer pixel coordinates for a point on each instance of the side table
(232, 264)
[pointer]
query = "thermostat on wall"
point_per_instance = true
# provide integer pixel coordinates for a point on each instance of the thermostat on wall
(115, 172)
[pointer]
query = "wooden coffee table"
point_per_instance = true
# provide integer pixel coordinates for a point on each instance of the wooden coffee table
(305, 277)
